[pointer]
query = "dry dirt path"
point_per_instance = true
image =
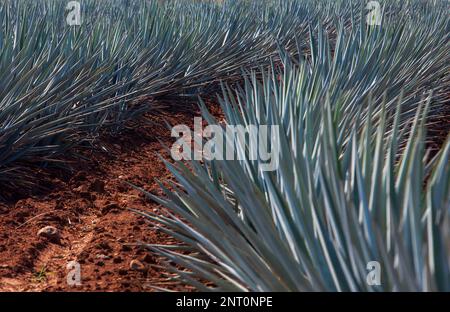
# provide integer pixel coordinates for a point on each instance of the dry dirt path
(89, 210)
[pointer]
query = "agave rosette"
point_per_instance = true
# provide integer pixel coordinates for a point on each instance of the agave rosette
(355, 183)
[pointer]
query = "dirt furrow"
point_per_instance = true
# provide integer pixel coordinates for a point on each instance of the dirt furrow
(89, 211)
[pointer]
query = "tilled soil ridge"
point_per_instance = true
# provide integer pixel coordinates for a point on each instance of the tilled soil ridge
(89, 212)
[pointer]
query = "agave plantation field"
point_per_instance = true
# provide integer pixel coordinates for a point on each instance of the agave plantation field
(349, 102)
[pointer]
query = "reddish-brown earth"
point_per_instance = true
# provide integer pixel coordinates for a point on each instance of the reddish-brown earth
(89, 208)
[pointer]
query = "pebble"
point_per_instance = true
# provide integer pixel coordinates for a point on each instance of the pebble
(137, 265)
(49, 232)
(102, 256)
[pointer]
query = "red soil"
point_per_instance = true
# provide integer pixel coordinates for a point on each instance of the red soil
(89, 208)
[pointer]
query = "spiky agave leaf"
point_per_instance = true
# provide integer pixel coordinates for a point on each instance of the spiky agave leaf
(353, 186)
(59, 84)
(86, 77)
(319, 219)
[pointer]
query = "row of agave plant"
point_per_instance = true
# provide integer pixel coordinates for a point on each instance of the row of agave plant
(355, 184)
(61, 84)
